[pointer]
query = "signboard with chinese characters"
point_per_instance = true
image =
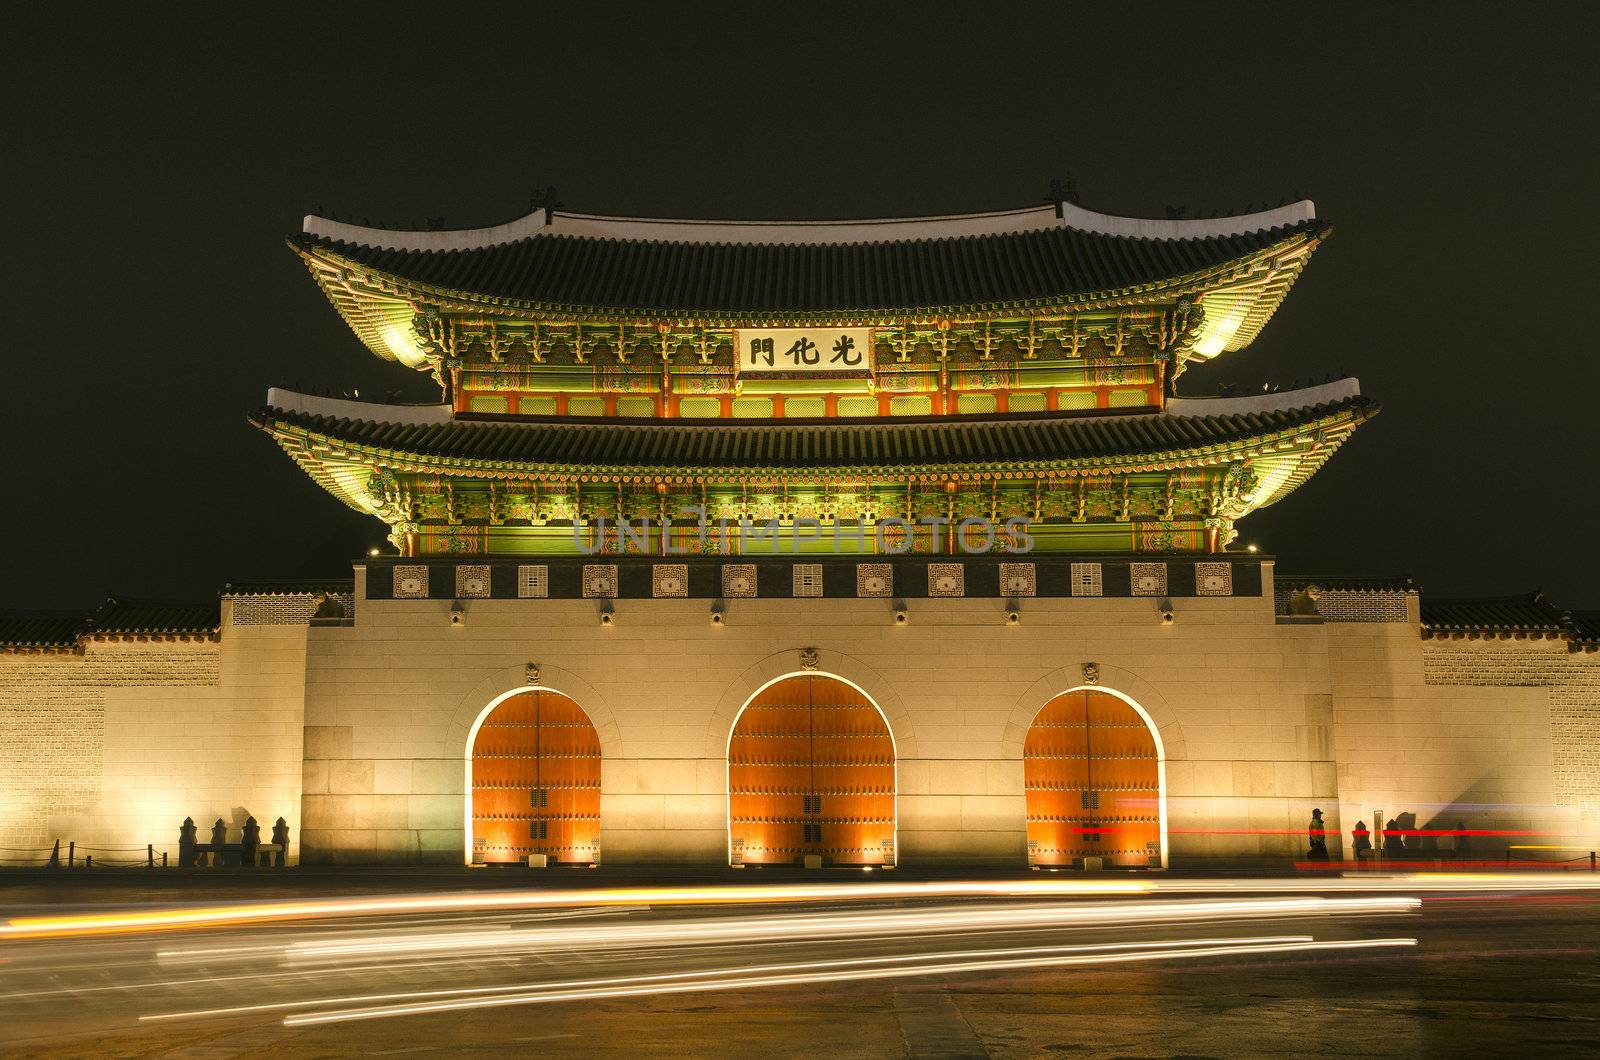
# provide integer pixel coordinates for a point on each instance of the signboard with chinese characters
(803, 353)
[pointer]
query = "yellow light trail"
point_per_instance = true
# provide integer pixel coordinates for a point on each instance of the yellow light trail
(72, 925)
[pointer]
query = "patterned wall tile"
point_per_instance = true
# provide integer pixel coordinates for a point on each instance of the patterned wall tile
(739, 579)
(669, 579)
(874, 579)
(411, 582)
(808, 579)
(533, 581)
(599, 579)
(1149, 579)
(472, 580)
(947, 579)
(1086, 580)
(1019, 579)
(1213, 579)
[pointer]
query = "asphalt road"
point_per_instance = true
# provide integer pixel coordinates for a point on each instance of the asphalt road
(1197, 968)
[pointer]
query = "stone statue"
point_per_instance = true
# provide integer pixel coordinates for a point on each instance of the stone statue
(280, 836)
(187, 841)
(249, 843)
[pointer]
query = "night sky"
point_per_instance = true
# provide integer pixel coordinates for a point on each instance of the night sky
(156, 157)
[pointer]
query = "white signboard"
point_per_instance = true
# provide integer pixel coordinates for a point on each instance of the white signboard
(800, 353)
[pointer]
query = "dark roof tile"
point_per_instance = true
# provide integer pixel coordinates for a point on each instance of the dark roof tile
(40, 629)
(1044, 437)
(788, 278)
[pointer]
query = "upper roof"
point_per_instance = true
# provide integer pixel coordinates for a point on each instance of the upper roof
(544, 223)
(580, 264)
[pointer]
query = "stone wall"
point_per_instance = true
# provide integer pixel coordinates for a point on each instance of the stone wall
(1571, 682)
(1476, 754)
(113, 746)
(1241, 704)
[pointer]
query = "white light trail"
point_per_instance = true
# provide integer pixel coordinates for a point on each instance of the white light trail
(817, 977)
(855, 926)
(714, 972)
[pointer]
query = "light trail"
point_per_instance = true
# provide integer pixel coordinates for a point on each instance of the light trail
(709, 973)
(818, 977)
(88, 924)
(854, 926)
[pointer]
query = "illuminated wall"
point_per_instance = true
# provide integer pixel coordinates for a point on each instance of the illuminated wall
(112, 748)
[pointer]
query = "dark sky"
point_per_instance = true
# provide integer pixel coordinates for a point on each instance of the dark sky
(155, 157)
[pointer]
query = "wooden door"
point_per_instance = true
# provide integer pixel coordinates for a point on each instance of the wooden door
(1092, 776)
(811, 771)
(536, 782)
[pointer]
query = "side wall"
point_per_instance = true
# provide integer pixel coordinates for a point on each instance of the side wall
(1467, 733)
(112, 747)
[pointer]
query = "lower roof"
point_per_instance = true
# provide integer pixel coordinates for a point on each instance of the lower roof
(659, 445)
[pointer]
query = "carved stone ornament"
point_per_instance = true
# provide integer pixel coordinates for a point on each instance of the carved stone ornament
(1091, 673)
(809, 659)
(531, 674)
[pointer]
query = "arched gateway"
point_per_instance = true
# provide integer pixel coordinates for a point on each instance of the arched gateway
(1092, 770)
(535, 782)
(811, 771)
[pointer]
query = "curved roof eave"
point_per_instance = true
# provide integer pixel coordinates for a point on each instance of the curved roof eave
(542, 222)
(340, 437)
(342, 261)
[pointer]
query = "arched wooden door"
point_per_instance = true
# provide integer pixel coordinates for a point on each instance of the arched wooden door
(1093, 779)
(811, 771)
(536, 782)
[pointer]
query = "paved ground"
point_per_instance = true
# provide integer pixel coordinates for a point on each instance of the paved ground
(1492, 973)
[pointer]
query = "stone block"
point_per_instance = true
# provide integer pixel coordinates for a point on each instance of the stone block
(670, 776)
(1292, 779)
(619, 775)
(391, 777)
(957, 777)
(314, 777)
(930, 813)
(1003, 777)
(349, 777)
(328, 741)
(438, 776)
(1254, 779)
(435, 811)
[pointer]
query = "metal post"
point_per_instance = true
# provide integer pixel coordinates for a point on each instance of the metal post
(72, 853)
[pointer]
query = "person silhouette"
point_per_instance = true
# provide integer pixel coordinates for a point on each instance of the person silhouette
(1317, 833)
